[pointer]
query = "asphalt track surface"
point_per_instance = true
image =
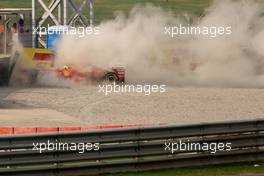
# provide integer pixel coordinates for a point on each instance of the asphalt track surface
(85, 106)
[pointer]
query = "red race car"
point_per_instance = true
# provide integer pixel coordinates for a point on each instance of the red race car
(115, 74)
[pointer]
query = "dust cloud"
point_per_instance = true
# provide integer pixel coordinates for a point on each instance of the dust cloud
(138, 42)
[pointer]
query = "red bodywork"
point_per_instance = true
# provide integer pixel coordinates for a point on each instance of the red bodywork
(94, 73)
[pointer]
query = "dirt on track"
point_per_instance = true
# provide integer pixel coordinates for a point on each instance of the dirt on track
(84, 105)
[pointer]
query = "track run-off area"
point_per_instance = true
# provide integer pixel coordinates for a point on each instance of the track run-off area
(85, 106)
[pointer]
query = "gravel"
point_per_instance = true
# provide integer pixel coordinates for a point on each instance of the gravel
(176, 105)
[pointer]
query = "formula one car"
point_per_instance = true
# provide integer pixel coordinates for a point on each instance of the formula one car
(36, 62)
(115, 74)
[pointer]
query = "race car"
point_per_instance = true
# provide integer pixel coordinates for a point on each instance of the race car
(116, 74)
(36, 62)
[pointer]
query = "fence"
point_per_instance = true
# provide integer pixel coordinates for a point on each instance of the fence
(132, 149)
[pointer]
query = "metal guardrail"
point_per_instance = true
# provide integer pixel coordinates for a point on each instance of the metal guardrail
(133, 149)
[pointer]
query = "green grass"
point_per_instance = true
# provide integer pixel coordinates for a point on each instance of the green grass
(15, 3)
(105, 9)
(200, 171)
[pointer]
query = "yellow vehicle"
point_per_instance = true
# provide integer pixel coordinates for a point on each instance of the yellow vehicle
(29, 62)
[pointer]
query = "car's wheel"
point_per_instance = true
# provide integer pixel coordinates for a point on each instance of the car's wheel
(4, 76)
(111, 77)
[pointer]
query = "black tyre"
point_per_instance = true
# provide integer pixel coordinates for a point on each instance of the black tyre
(111, 77)
(4, 74)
